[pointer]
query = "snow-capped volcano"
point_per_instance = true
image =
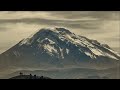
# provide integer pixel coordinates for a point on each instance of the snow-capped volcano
(55, 40)
(58, 46)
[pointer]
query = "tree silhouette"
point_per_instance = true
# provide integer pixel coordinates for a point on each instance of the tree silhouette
(30, 76)
(35, 76)
(21, 74)
(41, 77)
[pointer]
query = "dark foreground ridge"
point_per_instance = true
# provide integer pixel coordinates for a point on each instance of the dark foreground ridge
(21, 76)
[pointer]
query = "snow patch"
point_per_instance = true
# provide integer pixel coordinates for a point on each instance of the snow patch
(47, 41)
(50, 48)
(96, 51)
(89, 54)
(67, 50)
(25, 41)
(16, 53)
(61, 38)
(61, 50)
(69, 37)
(113, 52)
(111, 56)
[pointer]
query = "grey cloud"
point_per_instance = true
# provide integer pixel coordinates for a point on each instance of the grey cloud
(2, 29)
(113, 39)
(85, 24)
(104, 15)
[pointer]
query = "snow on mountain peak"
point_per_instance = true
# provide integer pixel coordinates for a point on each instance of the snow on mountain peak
(44, 32)
(51, 38)
(56, 30)
(47, 41)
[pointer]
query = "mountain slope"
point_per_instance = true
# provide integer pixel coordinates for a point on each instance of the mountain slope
(58, 47)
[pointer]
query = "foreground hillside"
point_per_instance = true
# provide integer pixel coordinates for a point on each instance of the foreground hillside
(29, 77)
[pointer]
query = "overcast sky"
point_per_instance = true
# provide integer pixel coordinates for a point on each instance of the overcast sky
(99, 25)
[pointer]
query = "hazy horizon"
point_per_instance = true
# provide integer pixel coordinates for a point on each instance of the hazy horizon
(102, 26)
